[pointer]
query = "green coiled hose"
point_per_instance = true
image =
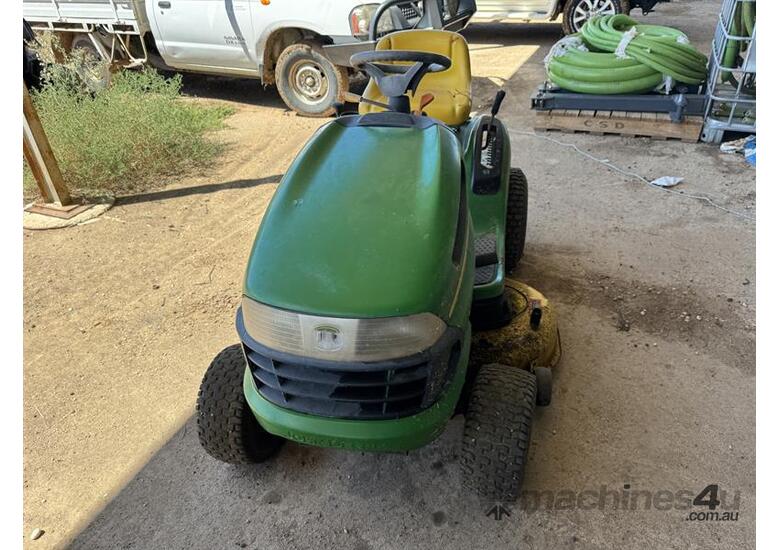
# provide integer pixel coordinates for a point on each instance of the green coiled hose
(749, 16)
(653, 54)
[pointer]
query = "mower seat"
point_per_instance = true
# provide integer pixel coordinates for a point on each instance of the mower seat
(451, 88)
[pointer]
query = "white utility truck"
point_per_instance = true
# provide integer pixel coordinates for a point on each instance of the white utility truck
(301, 46)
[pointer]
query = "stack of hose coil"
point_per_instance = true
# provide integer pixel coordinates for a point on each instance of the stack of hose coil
(614, 55)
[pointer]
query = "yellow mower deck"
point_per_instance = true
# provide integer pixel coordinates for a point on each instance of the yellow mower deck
(521, 343)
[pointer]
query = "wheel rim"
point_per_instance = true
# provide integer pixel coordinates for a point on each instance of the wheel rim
(309, 82)
(591, 8)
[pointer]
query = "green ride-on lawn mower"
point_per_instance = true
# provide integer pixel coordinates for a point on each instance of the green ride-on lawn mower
(386, 244)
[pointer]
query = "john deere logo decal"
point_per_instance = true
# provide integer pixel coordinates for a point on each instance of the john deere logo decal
(328, 338)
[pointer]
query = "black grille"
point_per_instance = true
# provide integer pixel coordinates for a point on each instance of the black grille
(409, 11)
(389, 389)
(342, 393)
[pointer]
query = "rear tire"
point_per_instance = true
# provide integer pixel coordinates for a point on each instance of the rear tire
(543, 386)
(497, 434)
(308, 82)
(516, 218)
(227, 429)
(94, 72)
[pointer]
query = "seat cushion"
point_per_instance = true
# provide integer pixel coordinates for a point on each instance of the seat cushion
(451, 88)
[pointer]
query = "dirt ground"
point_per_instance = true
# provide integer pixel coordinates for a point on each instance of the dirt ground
(655, 391)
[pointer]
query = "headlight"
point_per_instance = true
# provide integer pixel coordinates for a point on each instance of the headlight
(338, 339)
(360, 18)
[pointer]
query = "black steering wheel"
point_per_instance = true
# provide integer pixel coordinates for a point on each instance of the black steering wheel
(395, 80)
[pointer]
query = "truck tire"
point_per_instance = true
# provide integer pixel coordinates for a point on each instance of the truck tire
(83, 42)
(95, 72)
(227, 429)
(308, 82)
(576, 12)
(516, 218)
(497, 434)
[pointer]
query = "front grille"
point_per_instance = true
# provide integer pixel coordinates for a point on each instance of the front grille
(382, 390)
(409, 10)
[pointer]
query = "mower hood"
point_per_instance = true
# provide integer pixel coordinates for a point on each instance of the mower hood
(364, 224)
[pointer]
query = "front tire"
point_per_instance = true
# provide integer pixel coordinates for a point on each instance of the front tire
(308, 82)
(227, 429)
(497, 434)
(577, 12)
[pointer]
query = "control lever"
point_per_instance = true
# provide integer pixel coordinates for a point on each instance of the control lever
(425, 100)
(500, 95)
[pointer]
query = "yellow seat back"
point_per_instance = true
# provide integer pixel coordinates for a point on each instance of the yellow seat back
(451, 88)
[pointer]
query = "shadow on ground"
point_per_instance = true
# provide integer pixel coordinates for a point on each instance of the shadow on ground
(195, 190)
(304, 497)
(241, 90)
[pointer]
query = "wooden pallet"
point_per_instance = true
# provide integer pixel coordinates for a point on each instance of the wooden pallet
(653, 125)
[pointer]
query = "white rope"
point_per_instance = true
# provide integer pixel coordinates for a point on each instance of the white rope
(562, 46)
(608, 164)
(666, 86)
(683, 39)
(628, 36)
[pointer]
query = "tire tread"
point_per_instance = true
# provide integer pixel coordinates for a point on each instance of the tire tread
(227, 429)
(516, 218)
(497, 434)
(314, 50)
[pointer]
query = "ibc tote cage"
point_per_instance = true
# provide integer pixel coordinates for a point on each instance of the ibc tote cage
(731, 83)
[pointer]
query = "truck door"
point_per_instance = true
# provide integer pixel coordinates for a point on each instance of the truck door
(205, 35)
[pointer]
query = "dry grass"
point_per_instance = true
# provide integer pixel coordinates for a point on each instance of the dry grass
(123, 137)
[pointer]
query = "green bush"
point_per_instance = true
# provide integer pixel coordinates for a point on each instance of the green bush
(125, 137)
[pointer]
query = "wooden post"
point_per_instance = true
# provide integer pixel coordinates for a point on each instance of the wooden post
(41, 158)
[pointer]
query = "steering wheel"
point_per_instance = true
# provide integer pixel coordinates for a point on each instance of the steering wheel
(395, 80)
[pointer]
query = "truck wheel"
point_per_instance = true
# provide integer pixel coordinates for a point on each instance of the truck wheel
(497, 435)
(308, 82)
(94, 72)
(577, 12)
(516, 218)
(227, 429)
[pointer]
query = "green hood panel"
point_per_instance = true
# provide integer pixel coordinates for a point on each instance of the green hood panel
(363, 225)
